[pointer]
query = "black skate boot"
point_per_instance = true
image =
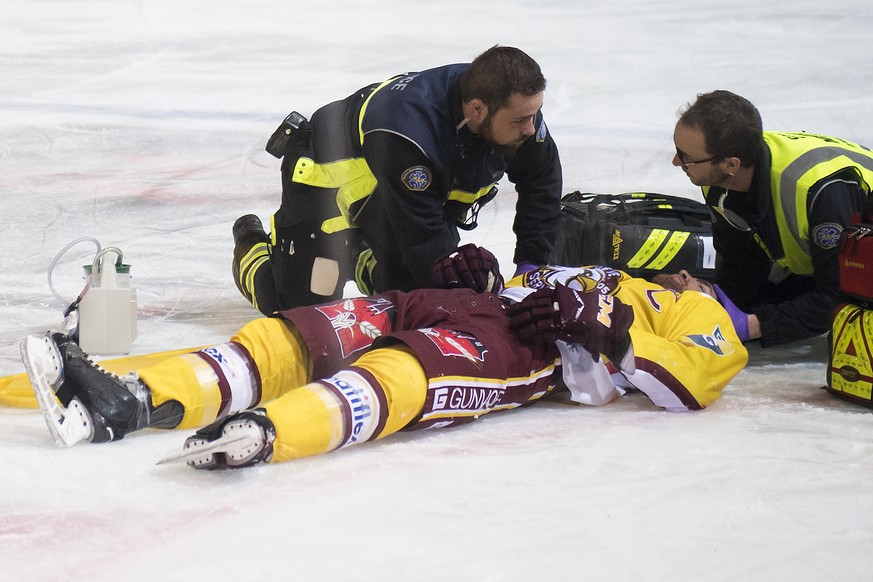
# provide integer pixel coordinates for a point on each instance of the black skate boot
(249, 244)
(240, 440)
(118, 405)
(63, 391)
(94, 404)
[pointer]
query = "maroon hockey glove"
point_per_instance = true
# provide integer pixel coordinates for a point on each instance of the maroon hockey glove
(468, 267)
(597, 322)
(535, 318)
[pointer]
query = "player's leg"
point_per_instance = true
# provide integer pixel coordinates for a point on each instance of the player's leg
(262, 361)
(383, 392)
(265, 359)
(81, 400)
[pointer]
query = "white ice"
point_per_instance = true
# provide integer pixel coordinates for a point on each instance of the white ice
(142, 123)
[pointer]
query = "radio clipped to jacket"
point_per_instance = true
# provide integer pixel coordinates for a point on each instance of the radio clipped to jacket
(279, 140)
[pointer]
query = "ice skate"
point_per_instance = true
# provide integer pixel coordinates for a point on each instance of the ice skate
(69, 386)
(69, 422)
(240, 440)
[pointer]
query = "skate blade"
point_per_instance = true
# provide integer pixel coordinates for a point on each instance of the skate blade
(42, 362)
(219, 445)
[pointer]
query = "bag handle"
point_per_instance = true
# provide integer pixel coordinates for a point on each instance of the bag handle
(646, 202)
(640, 202)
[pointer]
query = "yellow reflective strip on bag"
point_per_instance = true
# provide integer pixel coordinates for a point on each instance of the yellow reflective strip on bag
(648, 248)
(851, 362)
(668, 253)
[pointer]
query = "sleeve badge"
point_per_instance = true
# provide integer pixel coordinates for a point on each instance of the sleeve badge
(417, 178)
(827, 235)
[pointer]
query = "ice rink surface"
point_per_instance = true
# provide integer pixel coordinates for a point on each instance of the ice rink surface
(143, 123)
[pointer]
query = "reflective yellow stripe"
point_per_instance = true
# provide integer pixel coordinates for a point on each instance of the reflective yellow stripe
(653, 242)
(330, 174)
(851, 329)
(367, 102)
(798, 161)
(643, 257)
(470, 197)
(349, 193)
(364, 267)
(668, 253)
(351, 178)
(249, 283)
(257, 251)
(248, 268)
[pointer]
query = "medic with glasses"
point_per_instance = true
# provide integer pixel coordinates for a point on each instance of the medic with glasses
(779, 202)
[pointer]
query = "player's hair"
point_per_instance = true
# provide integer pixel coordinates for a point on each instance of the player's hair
(498, 73)
(731, 125)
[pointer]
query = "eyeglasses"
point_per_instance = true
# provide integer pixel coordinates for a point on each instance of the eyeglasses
(685, 163)
(731, 217)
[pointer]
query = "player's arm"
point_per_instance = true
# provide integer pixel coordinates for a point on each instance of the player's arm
(413, 199)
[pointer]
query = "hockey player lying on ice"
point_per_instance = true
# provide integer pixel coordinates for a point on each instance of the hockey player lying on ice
(318, 378)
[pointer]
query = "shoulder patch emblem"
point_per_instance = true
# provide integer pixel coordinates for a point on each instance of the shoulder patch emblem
(416, 178)
(827, 235)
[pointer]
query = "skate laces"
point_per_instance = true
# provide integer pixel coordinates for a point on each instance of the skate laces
(129, 381)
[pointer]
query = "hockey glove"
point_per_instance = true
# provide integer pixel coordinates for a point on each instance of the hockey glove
(739, 318)
(535, 318)
(597, 322)
(470, 267)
